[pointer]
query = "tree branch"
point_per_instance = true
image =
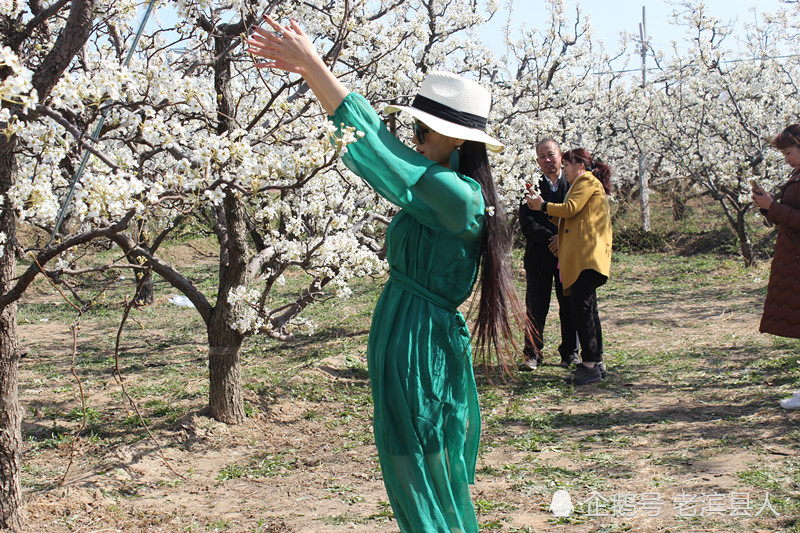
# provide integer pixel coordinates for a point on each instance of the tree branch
(173, 277)
(72, 130)
(54, 250)
(17, 39)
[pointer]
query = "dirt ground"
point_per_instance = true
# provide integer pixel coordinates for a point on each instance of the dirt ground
(645, 433)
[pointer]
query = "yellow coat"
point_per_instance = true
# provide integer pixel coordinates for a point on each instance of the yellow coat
(584, 229)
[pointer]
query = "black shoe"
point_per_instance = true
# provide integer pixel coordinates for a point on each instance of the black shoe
(572, 359)
(531, 364)
(583, 375)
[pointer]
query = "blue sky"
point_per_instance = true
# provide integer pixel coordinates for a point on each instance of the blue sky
(610, 17)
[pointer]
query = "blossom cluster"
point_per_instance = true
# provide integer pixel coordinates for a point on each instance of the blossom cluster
(16, 89)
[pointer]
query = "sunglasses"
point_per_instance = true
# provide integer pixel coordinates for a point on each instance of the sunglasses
(420, 131)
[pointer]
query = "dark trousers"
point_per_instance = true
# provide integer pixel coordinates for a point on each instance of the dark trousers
(540, 280)
(583, 306)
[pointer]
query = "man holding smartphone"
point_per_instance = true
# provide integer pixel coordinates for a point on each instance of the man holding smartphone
(541, 262)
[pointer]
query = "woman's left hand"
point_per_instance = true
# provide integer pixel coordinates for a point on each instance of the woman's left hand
(535, 202)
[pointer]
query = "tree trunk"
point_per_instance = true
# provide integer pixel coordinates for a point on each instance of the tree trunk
(10, 420)
(146, 295)
(10, 411)
(226, 399)
(143, 280)
(745, 246)
(644, 192)
(678, 201)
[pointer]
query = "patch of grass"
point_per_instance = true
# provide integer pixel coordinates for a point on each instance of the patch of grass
(91, 415)
(534, 441)
(345, 494)
(543, 479)
(766, 477)
(488, 506)
(491, 525)
(344, 519)
(385, 513)
(219, 525)
(162, 409)
(262, 465)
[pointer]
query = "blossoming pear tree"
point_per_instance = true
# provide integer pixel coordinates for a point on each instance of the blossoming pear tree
(715, 111)
(536, 83)
(32, 64)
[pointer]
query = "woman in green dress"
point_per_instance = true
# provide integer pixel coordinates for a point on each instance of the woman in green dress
(426, 420)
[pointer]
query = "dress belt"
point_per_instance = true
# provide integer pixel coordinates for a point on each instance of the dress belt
(405, 282)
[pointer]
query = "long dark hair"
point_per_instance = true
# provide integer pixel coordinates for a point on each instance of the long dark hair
(600, 170)
(499, 304)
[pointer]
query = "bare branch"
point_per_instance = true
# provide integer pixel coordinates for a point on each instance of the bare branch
(54, 250)
(173, 277)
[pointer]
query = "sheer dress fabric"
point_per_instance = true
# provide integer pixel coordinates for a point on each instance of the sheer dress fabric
(426, 416)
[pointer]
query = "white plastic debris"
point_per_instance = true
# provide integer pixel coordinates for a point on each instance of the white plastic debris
(180, 300)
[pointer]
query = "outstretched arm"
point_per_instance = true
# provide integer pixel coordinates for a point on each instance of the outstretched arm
(290, 49)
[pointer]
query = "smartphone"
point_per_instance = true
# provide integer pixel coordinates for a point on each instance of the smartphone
(756, 187)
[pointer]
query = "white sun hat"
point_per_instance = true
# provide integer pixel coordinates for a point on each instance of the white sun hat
(453, 106)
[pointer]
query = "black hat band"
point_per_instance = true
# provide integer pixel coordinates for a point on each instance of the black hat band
(449, 114)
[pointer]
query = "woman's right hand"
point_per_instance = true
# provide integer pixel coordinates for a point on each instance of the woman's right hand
(290, 49)
(552, 245)
(535, 202)
(762, 199)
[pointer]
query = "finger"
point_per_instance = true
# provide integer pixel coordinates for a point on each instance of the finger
(279, 65)
(296, 28)
(273, 23)
(261, 31)
(263, 37)
(260, 50)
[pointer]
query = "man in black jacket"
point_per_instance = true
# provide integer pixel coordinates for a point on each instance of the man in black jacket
(541, 262)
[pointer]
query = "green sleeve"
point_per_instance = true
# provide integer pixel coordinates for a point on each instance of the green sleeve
(435, 195)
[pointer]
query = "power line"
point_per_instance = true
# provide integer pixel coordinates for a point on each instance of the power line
(724, 61)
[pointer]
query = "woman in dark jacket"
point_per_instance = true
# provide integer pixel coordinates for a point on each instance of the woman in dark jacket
(782, 306)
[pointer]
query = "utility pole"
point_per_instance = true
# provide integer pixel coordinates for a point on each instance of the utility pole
(644, 188)
(643, 48)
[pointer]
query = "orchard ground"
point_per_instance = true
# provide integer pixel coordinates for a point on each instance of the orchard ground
(685, 435)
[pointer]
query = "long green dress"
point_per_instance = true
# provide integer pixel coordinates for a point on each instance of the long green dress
(427, 421)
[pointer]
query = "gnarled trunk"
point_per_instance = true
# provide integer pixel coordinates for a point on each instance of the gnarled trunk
(10, 423)
(225, 399)
(10, 410)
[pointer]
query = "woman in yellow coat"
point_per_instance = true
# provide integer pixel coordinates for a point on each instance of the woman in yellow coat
(584, 252)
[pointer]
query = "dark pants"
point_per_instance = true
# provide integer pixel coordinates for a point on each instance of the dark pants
(538, 292)
(583, 306)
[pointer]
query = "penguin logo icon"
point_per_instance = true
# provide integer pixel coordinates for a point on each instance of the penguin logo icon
(561, 504)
